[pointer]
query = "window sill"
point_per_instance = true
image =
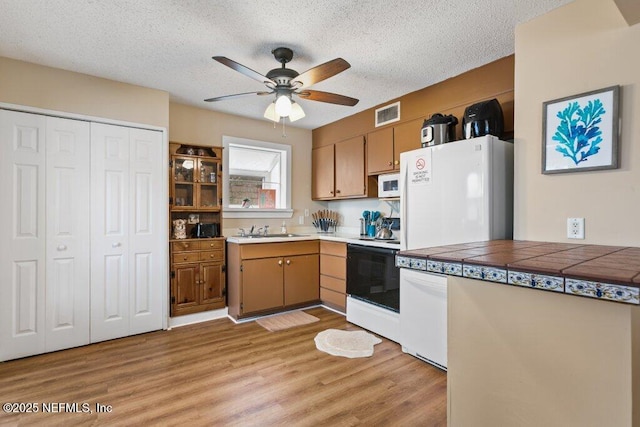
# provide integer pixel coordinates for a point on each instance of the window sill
(256, 213)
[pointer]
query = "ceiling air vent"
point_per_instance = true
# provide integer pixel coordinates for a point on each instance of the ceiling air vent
(388, 114)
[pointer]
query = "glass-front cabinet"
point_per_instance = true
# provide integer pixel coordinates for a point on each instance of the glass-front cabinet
(197, 245)
(195, 183)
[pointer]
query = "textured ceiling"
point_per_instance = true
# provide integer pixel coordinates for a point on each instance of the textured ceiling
(394, 47)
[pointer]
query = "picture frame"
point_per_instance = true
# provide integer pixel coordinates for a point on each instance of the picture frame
(581, 132)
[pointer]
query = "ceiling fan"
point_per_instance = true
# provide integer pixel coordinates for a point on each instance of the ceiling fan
(286, 82)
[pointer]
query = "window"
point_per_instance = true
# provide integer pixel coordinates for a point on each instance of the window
(257, 179)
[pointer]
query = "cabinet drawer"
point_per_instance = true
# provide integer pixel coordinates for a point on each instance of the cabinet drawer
(332, 283)
(186, 257)
(333, 248)
(211, 245)
(211, 255)
(333, 266)
(187, 245)
(333, 299)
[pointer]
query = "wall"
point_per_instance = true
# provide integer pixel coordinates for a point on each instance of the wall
(553, 360)
(583, 46)
(204, 127)
(23, 83)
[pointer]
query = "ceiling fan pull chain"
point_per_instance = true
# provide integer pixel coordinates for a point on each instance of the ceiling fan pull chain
(284, 133)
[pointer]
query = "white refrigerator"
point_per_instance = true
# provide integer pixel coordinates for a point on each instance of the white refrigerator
(457, 192)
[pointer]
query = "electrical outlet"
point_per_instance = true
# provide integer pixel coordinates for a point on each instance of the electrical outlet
(575, 228)
(301, 220)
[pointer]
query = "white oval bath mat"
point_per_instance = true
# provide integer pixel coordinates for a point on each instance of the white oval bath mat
(349, 344)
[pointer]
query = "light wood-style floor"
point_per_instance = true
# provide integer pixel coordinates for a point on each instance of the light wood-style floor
(220, 373)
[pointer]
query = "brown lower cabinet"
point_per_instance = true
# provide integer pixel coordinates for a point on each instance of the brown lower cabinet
(333, 274)
(197, 275)
(270, 277)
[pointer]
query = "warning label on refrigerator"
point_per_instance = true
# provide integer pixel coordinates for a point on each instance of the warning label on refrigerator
(420, 168)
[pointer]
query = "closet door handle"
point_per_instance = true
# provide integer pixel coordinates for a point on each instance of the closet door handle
(62, 247)
(116, 245)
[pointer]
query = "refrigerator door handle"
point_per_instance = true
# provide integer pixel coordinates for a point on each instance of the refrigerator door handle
(403, 207)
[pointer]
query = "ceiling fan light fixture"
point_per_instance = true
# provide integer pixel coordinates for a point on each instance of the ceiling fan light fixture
(270, 113)
(283, 106)
(296, 112)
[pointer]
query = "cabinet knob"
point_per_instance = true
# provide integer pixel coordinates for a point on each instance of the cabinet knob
(390, 164)
(116, 245)
(212, 256)
(288, 262)
(186, 245)
(397, 162)
(211, 244)
(337, 191)
(62, 247)
(279, 262)
(184, 259)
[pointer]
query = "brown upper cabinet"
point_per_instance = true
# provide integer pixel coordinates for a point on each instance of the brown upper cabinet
(385, 145)
(339, 171)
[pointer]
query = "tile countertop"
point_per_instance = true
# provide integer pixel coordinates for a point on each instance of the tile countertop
(603, 272)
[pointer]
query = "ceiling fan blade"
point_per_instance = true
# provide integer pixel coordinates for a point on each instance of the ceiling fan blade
(242, 69)
(322, 72)
(332, 98)
(237, 95)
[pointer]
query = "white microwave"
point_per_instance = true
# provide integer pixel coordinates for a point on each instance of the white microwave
(389, 185)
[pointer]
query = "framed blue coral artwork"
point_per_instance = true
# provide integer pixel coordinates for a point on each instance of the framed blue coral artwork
(580, 132)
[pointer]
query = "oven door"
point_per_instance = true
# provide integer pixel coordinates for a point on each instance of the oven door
(372, 276)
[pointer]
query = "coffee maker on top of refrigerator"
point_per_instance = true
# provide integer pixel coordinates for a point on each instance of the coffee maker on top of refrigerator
(458, 192)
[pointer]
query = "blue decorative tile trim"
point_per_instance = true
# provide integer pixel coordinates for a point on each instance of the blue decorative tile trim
(490, 274)
(419, 264)
(538, 281)
(403, 262)
(434, 266)
(606, 291)
(472, 271)
(548, 283)
(452, 268)
(494, 274)
(519, 278)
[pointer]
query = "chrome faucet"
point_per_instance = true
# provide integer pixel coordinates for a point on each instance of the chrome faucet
(251, 231)
(266, 230)
(242, 233)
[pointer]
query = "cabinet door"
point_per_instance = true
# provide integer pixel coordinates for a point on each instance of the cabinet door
(406, 137)
(208, 196)
(68, 233)
(301, 279)
(183, 188)
(184, 288)
(350, 167)
(380, 151)
(262, 284)
(22, 235)
(322, 176)
(211, 282)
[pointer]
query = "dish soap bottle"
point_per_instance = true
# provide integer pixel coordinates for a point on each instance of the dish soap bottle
(283, 229)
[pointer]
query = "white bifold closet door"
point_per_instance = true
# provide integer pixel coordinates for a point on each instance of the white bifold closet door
(44, 237)
(128, 254)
